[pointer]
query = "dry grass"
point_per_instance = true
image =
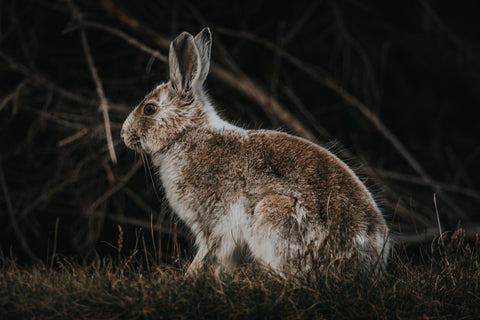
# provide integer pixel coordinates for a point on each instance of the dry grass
(444, 284)
(322, 74)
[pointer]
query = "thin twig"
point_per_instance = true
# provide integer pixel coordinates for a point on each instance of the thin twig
(345, 34)
(130, 40)
(55, 239)
(309, 116)
(428, 234)
(98, 84)
(47, 195)
(139, 201)
(126, 19)
(224, 52)
(147, 225)
(12, 94)
(122, 181)
(441, 24)
(297, 27)
(103, 100)
(72, 138)
(271, 105)
(41, 80)
(438, 219)
(53, 118)
(474, 194)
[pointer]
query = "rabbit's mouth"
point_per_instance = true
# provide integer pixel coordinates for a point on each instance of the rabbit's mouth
(137, 146)
(133, 142)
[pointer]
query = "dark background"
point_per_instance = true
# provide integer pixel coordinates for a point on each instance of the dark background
(412, 69)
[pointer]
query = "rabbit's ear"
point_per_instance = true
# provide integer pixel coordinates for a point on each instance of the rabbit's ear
(184, 62)
(203, 41)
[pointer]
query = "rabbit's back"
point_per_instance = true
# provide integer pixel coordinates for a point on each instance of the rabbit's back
(260, 162)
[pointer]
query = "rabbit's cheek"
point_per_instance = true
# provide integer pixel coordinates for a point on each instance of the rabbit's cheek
(146, 148)
(153, 139)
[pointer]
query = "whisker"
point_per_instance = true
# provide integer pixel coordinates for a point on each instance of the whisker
(145, 167)
(149, 174)
(152, 178)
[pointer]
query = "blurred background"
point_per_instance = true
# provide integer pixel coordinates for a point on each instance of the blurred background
(391, 88)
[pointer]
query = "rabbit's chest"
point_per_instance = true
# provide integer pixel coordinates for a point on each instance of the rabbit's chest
(206, 190)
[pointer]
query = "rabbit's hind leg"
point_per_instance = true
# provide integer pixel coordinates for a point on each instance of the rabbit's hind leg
(219, 254)
(222, 249)
(277, 231)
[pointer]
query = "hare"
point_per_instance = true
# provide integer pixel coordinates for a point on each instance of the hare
(286, 202)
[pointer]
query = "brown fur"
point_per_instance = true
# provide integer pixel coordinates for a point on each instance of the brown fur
(268, 162)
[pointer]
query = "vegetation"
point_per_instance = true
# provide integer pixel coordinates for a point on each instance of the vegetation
(445, 285)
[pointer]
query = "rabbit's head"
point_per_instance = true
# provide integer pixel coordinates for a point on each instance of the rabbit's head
(177, 105)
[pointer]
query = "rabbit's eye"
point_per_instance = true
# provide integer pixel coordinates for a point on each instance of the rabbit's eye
(149, 109)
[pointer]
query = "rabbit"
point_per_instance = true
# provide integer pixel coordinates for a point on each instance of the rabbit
(283, 201)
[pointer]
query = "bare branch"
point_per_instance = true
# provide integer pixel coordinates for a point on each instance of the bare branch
(307, 15)
(47, 195)
(39, 79)
(429, 234)
(130, 40)
(475, 194)
(138, 200)
(12, 94)
(103, 100)
(122, 181)
(72, 138)
(147, 225)
(42, 80)
(96, 79)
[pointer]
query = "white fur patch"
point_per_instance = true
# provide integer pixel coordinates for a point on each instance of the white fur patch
(300, 213)
(233, 230)
(162, 99)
